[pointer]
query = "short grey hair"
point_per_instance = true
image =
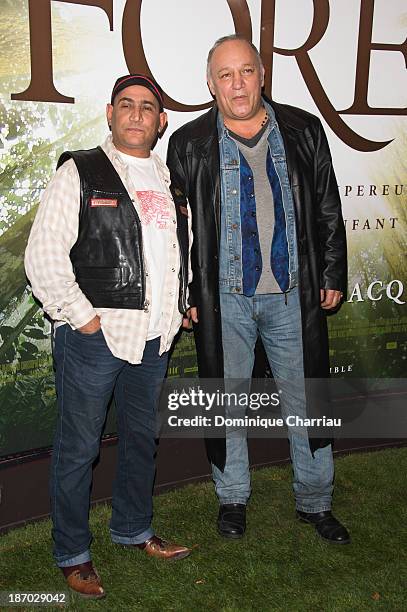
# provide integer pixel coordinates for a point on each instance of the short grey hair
(225, 39)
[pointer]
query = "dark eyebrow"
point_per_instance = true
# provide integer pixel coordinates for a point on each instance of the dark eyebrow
(124, 99)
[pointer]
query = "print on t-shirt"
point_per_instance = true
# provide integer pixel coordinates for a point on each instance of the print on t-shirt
(154, 208)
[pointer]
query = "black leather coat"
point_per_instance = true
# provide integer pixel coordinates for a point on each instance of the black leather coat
(193, 159)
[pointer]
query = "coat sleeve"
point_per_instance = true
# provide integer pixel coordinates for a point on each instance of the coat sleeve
(179, 190)
(331, 228)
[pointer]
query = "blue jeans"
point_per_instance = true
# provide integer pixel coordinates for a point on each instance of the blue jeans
(279, 325)
(87, 374)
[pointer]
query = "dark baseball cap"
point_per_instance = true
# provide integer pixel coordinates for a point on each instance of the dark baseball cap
(139, 79)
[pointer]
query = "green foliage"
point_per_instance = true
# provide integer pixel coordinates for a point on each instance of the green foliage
(27, 412)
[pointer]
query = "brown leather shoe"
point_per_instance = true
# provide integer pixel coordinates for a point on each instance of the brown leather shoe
(161, 549)
(85, 580)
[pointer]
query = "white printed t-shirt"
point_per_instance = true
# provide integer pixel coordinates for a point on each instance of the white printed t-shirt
(155, 216)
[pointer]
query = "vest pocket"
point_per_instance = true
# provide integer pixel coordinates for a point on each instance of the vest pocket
(99, 279)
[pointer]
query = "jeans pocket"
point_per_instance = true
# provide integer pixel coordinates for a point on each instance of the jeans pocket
(85, 334)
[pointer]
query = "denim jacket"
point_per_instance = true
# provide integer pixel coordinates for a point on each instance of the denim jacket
(230, 256)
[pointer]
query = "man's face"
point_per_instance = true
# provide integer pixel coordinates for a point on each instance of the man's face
(135, 120)
(236, 80)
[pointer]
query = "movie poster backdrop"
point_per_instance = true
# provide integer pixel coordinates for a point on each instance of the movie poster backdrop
(344, 61)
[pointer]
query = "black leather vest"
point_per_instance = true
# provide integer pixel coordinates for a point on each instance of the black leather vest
(107, 257)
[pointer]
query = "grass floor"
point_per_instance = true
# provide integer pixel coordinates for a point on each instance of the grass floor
(280, 565)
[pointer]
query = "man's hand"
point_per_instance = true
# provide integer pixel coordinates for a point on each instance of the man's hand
(190, 315)
(91, 327)
(330, 298)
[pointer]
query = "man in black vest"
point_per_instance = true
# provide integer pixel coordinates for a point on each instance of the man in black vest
(108, 258)
(269, 260)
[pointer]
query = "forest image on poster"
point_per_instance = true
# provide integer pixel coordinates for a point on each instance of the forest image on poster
(367, 336)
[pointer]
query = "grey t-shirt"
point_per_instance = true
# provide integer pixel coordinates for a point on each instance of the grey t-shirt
(255, 150)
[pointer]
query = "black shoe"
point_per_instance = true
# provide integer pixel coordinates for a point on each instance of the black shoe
(232, 520)
(326, 525)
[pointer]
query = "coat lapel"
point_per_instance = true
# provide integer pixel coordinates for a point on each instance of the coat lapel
(290, 145)
(208, 148)
(213, 163)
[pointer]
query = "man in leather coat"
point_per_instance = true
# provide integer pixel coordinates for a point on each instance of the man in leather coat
(268, 259)
(107, 256)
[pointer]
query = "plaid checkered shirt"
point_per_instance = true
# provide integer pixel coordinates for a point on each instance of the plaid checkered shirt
(49, 268)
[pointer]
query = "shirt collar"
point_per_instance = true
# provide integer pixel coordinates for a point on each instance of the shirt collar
(118, 161)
